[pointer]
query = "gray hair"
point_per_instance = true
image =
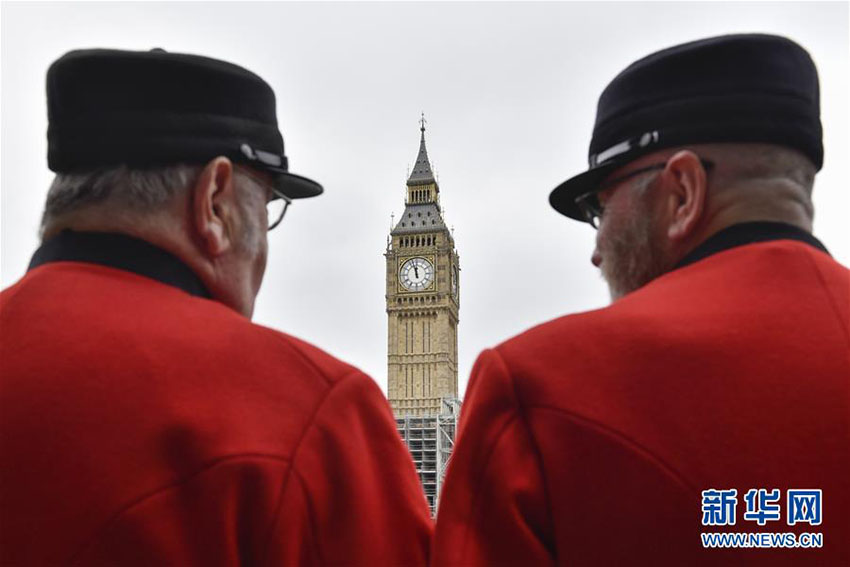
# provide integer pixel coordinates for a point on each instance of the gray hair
(134, 190)
(765, 161)
(140, 191)
(770, 176)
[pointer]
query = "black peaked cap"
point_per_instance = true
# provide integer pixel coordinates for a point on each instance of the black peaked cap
(750, 88)
(110, 107)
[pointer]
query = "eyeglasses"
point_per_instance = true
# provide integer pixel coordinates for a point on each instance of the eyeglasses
(277, 205)
(592, 208)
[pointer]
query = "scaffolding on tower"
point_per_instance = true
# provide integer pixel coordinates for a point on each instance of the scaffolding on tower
(430, 440)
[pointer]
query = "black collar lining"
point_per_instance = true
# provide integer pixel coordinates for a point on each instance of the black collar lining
(749, 233)
(123, 252)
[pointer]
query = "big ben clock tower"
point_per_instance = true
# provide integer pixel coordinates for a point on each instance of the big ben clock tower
(423, 299)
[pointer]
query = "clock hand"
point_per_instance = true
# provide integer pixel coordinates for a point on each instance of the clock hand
(416, 271)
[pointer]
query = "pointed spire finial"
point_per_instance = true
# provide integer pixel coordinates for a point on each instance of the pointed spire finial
(422, 173)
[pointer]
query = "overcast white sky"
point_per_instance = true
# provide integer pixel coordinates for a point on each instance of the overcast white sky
(509, 91)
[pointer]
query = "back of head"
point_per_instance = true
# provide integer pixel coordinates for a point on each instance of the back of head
(179, 150)
(717, 132)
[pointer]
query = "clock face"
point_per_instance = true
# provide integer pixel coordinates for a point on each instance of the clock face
(454, 281)
(416, 274)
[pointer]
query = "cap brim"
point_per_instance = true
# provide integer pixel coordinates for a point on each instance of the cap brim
(563, 197)
(297, 187)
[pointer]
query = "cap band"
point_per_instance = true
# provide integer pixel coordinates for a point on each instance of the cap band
(623, 147)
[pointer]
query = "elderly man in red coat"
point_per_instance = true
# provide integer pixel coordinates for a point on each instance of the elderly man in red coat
(144, 420)
(704, 417)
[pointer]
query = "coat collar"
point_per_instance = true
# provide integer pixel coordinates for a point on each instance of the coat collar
(123, 252)
(748, 233)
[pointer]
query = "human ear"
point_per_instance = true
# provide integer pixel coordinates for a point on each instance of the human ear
(687, 186)
(213, 206)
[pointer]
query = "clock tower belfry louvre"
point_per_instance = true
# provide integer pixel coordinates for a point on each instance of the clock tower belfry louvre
(423, 302)
(423, 299)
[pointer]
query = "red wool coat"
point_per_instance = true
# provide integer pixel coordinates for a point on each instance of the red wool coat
(588, 440)
(143, 425)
